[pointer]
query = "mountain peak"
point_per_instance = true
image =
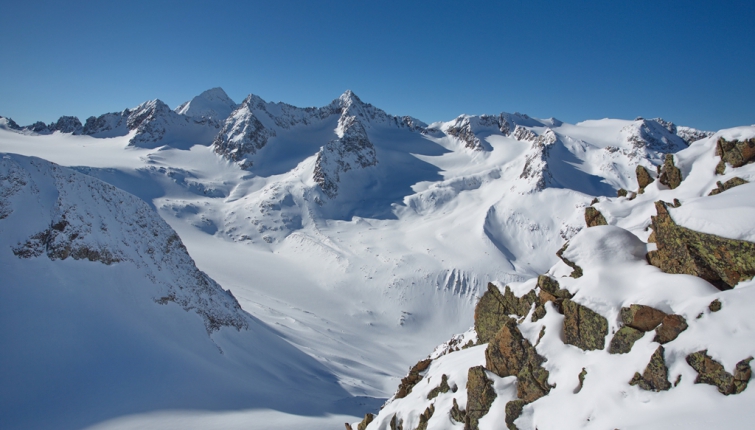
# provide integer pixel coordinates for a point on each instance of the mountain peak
(213, 104)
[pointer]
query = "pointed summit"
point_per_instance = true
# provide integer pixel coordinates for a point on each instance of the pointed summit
(213, 104)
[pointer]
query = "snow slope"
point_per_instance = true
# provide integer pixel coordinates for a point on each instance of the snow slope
(370, 277)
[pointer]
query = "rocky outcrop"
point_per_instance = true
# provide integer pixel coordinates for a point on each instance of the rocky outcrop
(513, 411)
(509, 352)
(480, 396)
(442, 388)
(670, 175)
(722, 262)
(366, 421)
(711, 372)
(494, 308)
(353, 150)
(593, 217)
(424, 417)
(731, 183)
(623, 340)
(576, 270)
(536, 170)
(549, 291)
(655, 375)
(396, 423)
(583, 327)
(410, 380)
(670, 328)
(457, 414)
(736, 153)
(643, 178)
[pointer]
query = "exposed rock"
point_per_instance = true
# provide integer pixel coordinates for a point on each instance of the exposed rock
(593, 217)
(737, 153)
(581, 378)
(670, 328)
(670, 176)
(368, 417)
(494, 308)
(655, 376)
(396, 423)
(442, 388)
(532, 382)
(348, 426)
(731, 183)
(641, 317)
(549, 292)
(509, 352)
(458, 415)
(577, 272)
(513, 411)
(643, 178)
(583, 327)
(715, 305)
(480, 395)
(711, 372)
(621, 192)
(410, 380)
(722, 262)
(624, 339)
(425, 417)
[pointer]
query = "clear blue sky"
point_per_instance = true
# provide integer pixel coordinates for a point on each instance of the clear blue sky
(691, 62)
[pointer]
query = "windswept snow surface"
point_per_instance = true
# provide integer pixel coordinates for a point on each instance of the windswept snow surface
(370, 279)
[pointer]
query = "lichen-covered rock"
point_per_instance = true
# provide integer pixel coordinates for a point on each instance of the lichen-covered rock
(425, 417)
(621, 192)
(494, 308)
(655, 376)
(722, 262)
(670, 328)
(583, 327)
(736, 152)
(480, 395)
(581, 378)
(577, 271)
(368, 417)
(624, 339)
(643, 178)
(508, 352)
(711, 372)
(641, 317)
(410, 380)
(593, 217)
(458, 415)
(731, 183)
(513, 411)
(442, 388)
(715, 305)
(532, 382)
(550, 291)
(670, 176)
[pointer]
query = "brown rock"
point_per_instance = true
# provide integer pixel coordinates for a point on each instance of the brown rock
(737, 153)
(671, 176)
(655, 376)
(624, 339)
(395, 423)
(532, 382)
(551, 292)
(513, 411)
(715, 305)
(583, 327)
(577, 271)
(731, 183)
(458, 415)
(494, 308)
(508, 352)
(643, 178)
(480, 395)
(442, 388)
(408, 382)
(641, 317)
(670, 328)
(722, 262)
(593, 217)
(425, 417)
(711, 372)
(366, 421)
(621, 192)
(581, 378)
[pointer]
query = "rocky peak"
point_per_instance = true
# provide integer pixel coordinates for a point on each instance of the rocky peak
(536, 171)
(8, 123)
(212, 105)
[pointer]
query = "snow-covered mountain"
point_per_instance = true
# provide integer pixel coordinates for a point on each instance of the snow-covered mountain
(366, 239)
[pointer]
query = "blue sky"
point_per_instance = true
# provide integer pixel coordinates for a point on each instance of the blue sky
(690, 62)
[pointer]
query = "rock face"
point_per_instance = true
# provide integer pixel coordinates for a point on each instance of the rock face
(643, 178)
(509, 352)
(655, 376)
(670, 176)
(583, 327)
(731, 183)
(480, 395)
(593, 217)
(352, 150)
(737, 153)
(722, 262)
(711, 372)
(536, 169)
(624, 339)
(494, 308)
(410, 380)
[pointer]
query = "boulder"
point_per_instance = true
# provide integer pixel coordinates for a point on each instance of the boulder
(670, 328)
(577, 271)
(508, 352)
(480, 395)
(641, 317)
(710, 371)
(532, 382)
(655, 376)
(621, 192)
(494, 308)
(722, 262)
(715, 305)
(513, 411)
(643, 178)
(408, 382)
(624, 339)
(583, 327)
(731, 183)
(670, 176)
(736, 152)
(593, 217)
